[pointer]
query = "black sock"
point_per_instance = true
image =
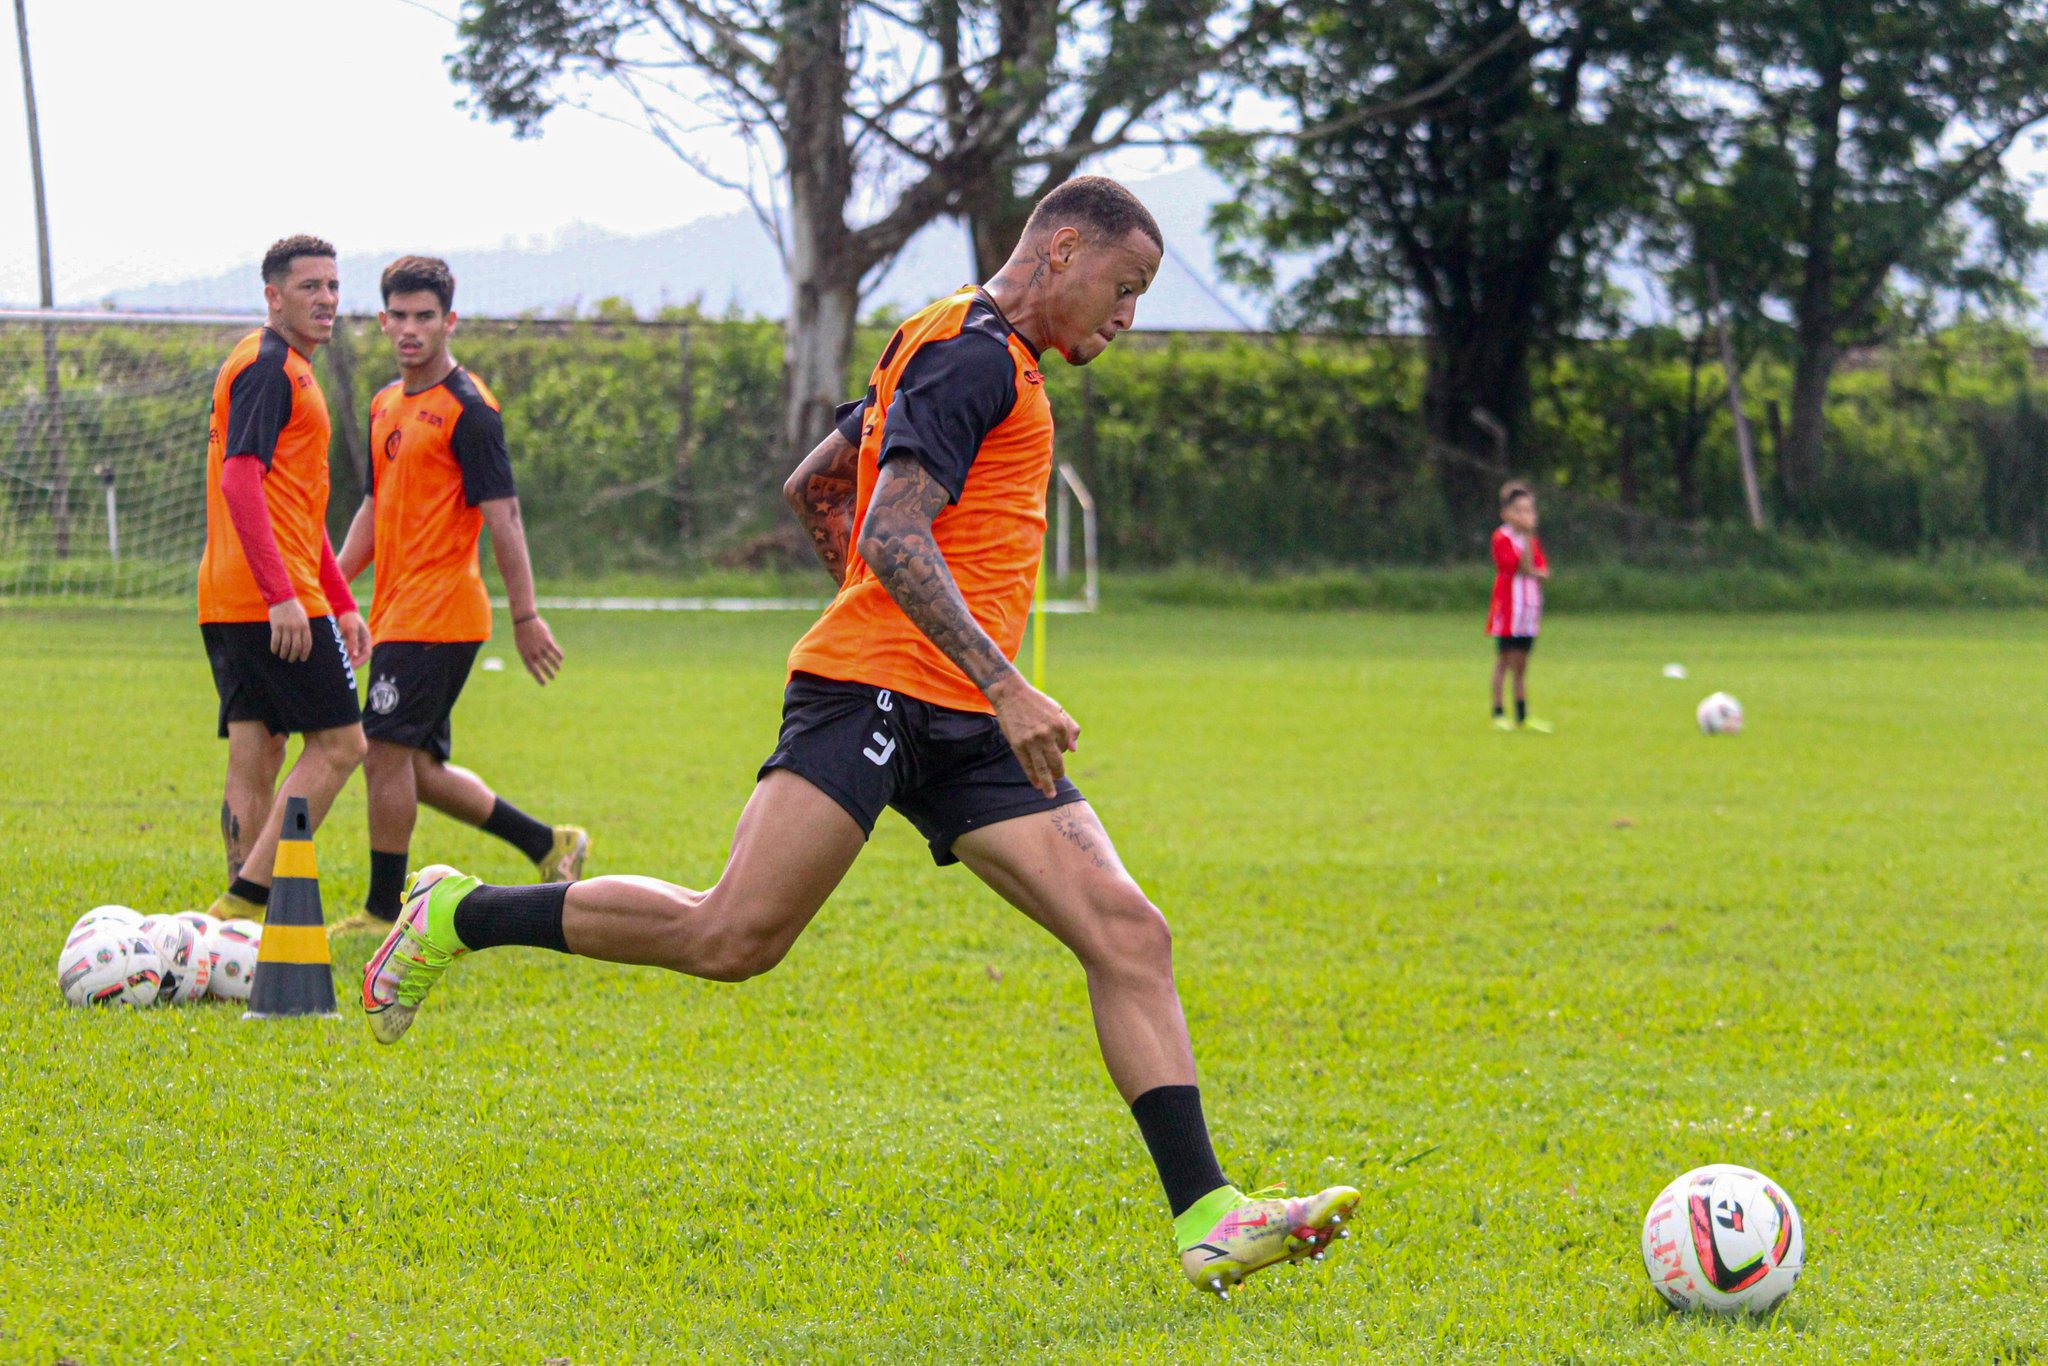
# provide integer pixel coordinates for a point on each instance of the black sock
(1170, 1118)
(249, 891)
(519, 830)
(1497, 713)
(492, 917)
(1521, 708)
(387, 884)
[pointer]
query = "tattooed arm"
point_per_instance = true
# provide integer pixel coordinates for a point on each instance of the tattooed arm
(896, 540)
(820, 493)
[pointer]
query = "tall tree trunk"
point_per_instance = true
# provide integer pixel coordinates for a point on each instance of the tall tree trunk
(824, 293)
(1815, 323)
(1480, 367)
(825, 261)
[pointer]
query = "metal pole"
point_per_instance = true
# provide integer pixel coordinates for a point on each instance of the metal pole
(35, 155)
(60, 512)
(113, 514)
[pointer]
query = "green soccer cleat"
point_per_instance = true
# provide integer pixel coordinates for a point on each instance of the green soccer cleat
(1227, 1235)
(564, 862)
(1502, 723)
(416, 952)
(1540, 726)
(228, 906)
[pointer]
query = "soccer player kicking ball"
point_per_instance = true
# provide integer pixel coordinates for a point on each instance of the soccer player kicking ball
(1517, 614)
(281, 630)
(928, 505)
(439, 473)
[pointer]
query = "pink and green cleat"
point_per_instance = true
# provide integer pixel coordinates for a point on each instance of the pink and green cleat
(418, 950)
(1227, 1235)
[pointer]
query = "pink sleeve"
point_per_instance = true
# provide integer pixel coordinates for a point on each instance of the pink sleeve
(339, 599)
(241, 484)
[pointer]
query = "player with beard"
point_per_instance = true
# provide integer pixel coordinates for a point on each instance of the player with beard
(928, 505)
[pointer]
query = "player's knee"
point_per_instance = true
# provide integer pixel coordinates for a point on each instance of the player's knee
(342, 748)
(735, 955)
(382, 760)
(1135, 933)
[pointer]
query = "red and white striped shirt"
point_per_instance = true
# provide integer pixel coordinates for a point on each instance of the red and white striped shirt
(1517, 592)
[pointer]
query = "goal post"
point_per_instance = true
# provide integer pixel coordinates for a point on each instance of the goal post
(102, 428)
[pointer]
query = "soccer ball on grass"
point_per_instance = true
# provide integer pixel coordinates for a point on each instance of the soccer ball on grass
(1720, 714)
(233, 946)
(108, 964)
(187, 963)
(1724, 1239)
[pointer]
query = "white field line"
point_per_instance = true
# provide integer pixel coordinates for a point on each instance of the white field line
(1058, 607)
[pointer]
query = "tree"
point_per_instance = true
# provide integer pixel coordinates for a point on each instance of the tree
(1486, 214)
(1858, 175)
(863, 121)
(1124, 69)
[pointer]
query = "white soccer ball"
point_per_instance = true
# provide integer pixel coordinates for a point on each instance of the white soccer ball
(112, 915)
(1724, 1239)
(199, 920)
(1720, 714)
(108, 964)
(187, 962)
(232, 947)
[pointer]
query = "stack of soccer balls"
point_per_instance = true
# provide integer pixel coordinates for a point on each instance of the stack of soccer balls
(117, 956)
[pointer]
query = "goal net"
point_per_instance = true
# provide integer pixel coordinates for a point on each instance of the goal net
(102, 450)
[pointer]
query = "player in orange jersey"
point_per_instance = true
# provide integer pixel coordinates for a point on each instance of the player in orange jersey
(928, 505)
(281, 631)
(439, 474)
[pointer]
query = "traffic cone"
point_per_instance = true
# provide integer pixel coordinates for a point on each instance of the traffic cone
(293, 973)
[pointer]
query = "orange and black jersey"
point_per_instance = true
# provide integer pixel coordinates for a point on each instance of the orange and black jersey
(959, 391)
(266, 403)
(435, 457)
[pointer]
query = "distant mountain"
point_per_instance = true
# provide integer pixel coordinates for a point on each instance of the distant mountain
(729, 263)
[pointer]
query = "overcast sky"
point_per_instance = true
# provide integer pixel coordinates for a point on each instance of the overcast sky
(179, 138)
(182, 137)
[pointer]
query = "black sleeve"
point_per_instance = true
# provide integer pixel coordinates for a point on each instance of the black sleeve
(848, 417)
(479, 445)
(951, 396)
(259, 406)
(370, 463)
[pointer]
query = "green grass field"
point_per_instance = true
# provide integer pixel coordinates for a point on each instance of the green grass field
(1509, 985)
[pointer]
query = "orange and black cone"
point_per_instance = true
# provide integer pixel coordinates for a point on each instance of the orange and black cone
(293, 973)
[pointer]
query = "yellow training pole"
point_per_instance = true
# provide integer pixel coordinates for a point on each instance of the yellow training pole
(1038, 630)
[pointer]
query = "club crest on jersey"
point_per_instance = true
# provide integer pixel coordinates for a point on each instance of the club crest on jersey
(391, 445)
(384, 696)
(1033, 377)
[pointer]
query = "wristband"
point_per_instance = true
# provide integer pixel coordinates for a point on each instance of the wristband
(521, 621)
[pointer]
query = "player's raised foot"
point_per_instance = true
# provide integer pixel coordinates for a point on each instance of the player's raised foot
(418, 950)
(1227, 1235)
(564, 862)
(1502, 723)
(228, 906)
(361, 920)
(1539, 725)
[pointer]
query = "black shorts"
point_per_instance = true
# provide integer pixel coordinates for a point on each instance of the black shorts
(413, 687)
(1523, 643)
(317, 693)
(947, 772)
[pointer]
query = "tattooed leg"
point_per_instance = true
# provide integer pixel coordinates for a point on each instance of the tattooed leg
(254, 758)
(1059, 868)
